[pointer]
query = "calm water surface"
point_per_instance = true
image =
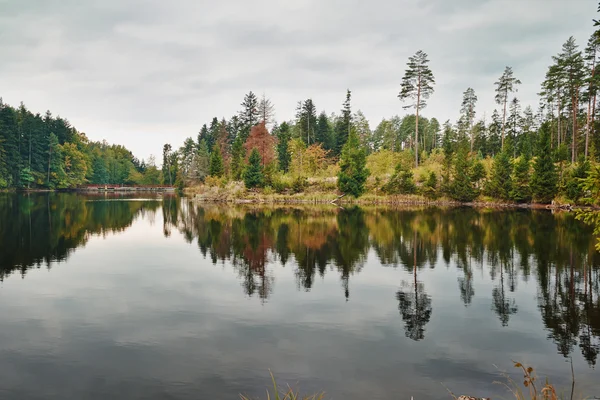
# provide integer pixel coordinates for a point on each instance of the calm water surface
(158, 298)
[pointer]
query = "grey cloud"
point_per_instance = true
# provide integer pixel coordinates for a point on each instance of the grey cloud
(117, 69)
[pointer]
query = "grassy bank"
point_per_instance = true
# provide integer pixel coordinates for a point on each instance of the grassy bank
(320, 191)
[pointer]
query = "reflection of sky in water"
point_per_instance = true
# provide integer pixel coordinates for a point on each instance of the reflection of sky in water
(138, 315)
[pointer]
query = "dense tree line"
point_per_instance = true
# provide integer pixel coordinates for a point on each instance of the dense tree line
(46, 152)
(517, 155)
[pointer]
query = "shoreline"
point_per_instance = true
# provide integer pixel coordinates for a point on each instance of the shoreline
(396, 200)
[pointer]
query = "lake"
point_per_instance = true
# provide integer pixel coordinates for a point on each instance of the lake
(157, 297)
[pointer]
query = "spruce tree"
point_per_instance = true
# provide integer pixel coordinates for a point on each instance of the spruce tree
(238, 154)
(283, 152)
(521, 188)
(401, 182)
(343, 124)
(417, 85)
(323, 132)
(544, 179)
(500, 183)
(253, 174)
(462, 188)
(216, 167)
(353, 171)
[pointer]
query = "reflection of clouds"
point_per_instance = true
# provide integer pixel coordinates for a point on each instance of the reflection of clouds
(142, 315)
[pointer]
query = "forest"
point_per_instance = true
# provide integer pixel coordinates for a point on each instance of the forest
(522, 154)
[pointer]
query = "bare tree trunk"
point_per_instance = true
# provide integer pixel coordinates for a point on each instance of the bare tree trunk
(417, 127)
(574, 104)
(587, 130)
(504, 119)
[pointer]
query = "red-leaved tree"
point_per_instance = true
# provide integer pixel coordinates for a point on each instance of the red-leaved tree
(261, 140)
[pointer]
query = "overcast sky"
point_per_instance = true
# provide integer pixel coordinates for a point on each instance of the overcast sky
(145, 72)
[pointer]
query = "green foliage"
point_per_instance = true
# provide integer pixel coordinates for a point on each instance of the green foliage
(216, 167)
(238, 153)
(544, 179)
(253, 174)
(574, 185)
(429, 188)
(462, 187)
(401, 182)
(353, 171)
(500, 183)
(299, 184)
(283, 152)
(521, 188)
(343, 125)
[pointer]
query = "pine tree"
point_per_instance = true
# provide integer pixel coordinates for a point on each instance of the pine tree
(572, 63)
(544, 179)
(283, 152)
(417, 85)
(353, 171)
(467, 112)
(504, 86)
(216, 167)
(253, 174)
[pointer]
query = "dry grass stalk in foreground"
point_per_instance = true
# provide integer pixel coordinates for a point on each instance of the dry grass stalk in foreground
(536, 392)
(288, 394)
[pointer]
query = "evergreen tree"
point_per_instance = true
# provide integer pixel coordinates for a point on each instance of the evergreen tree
(500, 183)
(324, 132)
(544, 179)
(353, 171)
(504, 86)
(574, 188)
(216, 168)
(467, 112)
(306, 121)
(283, 153)
(417, 85)
(343, 124)
(570, 60)
(249, 116)
(430, 186)
(521, 188)
(462, 188)
(401, 182)
(238, 154)
(253, 174)
(166, 167)
(201, 163)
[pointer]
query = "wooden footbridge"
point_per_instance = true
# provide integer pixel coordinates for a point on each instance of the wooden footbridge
(126, 188)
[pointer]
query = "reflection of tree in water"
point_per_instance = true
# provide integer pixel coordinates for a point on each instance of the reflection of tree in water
(415, 307)
(465, 285)
(511, 246)
(413, 302)
(502, 305)
(38, 228)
